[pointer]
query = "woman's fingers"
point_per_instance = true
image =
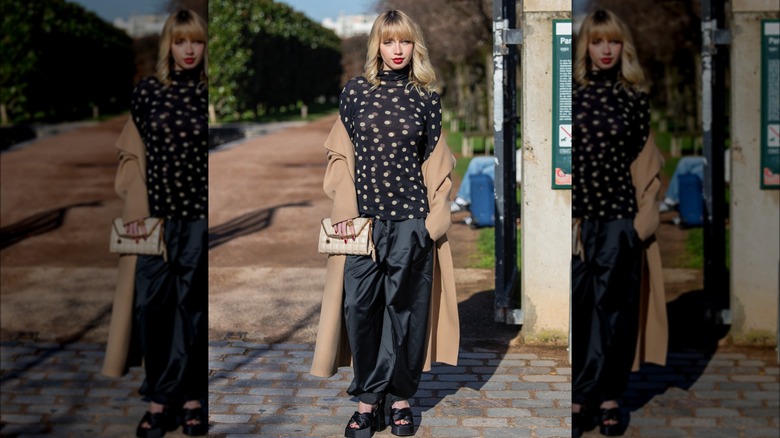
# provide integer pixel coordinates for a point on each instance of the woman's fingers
(351, 226)
(137, 229)
(344, 229)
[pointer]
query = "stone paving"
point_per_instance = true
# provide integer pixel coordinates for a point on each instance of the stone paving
(53, 389)
(265, 390)
(726, 395)
(261, 390)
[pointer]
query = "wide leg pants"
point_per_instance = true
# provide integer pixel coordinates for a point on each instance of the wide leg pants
(605, 310)
(171, 300)
(386, 306)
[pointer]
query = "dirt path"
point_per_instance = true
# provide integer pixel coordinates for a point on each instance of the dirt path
(57, 205)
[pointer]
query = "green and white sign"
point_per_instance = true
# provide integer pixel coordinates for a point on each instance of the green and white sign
(561, 112)
(770, 104)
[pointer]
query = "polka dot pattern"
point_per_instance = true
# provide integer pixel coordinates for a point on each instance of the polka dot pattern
(173, 122)
(394, 130)
(611, 126)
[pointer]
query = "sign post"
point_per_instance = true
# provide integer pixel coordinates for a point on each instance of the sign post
(562, 83)
(770, 104)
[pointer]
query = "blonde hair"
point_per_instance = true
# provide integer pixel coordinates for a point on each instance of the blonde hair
(184, 24)
(605, 24)
(396, 24)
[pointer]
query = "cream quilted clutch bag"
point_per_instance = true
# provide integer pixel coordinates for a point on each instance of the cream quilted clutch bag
(150, 244)
(362, 244)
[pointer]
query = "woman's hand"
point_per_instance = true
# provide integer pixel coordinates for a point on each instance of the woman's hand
(137, 229)
(345, 229)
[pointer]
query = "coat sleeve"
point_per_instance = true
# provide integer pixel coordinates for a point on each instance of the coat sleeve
(645, 172)
(130, 182)
(437, 171)
(339, 182)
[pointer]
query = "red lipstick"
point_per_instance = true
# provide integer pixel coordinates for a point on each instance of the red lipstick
(398, 60)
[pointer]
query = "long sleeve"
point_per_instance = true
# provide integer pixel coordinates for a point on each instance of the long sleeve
(130, 182)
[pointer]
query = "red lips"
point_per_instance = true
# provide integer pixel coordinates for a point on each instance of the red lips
(606, 60)
(189, 60)
(398, 60)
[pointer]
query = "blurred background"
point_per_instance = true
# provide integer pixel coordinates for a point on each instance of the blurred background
(66, 61)
(271, 58)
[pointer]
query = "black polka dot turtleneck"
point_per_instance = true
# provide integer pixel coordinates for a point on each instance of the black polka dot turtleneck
(173, 122)
(611, 127)
(393, 129)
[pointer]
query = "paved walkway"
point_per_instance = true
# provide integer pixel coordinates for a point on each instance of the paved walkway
(263, 390)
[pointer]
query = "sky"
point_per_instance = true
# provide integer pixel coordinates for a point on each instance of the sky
(317, 10)
(111, 9)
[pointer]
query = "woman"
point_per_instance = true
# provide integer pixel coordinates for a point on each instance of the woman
(163, 174)
(388, 161)
(617, 291)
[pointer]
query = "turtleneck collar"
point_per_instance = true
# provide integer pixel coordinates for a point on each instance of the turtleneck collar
(608, 75)
(192, 75)
(394, 75)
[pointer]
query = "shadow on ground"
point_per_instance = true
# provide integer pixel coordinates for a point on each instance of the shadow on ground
(693, 340)
(62, 343)
(38, 224)
(246, 224)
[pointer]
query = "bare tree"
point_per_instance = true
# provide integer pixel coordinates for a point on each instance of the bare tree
(353, 56)
(459, 39)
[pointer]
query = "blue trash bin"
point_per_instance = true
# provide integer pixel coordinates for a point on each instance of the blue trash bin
(691, 200)
(483, 201)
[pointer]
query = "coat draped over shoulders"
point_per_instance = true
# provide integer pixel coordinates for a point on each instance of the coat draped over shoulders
(653, 325)
(122, 349)
(332, 349)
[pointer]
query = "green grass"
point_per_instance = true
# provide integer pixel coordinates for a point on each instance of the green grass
(485, 256)
(694, 246)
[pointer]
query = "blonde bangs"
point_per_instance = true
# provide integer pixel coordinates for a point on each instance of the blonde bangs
(609, 30)
(189, 31)
(396, 29)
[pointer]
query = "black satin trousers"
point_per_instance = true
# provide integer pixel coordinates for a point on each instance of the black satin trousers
(605, 310)
(171, 303)
(386, 306)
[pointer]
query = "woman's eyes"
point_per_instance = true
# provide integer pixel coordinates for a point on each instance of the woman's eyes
(402, 42)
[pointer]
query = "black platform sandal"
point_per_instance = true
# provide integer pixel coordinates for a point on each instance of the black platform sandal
(159, 423)
(612, 414)
(197, 414)
(368, 422)
(403, 414)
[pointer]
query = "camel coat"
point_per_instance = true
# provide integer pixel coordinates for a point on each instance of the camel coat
(653, 327)
(443, 338)
(122, 349)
